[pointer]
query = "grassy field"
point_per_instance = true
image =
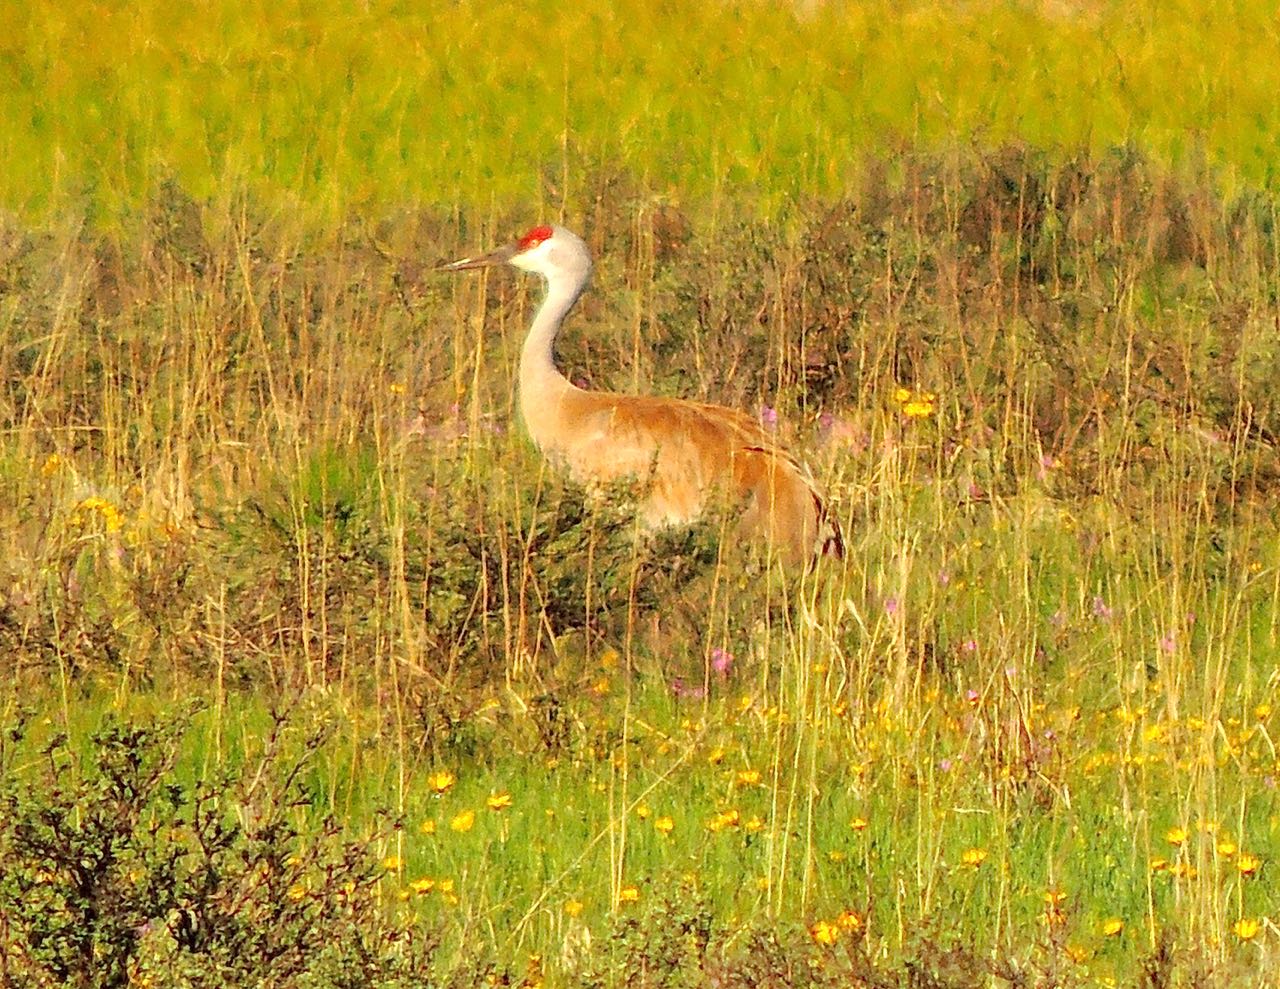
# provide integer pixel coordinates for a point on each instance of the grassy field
(331, 108)
(315, 675)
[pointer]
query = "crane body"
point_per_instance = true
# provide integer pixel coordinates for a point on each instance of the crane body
(686, 453)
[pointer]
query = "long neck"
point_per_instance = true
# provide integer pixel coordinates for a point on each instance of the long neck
(541, 384)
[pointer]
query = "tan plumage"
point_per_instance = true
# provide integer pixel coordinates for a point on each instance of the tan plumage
(685, 453)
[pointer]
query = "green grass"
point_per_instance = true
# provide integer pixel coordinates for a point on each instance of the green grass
(256, 456)
(324, 109)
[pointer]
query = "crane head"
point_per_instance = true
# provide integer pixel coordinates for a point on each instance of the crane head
(545, 250)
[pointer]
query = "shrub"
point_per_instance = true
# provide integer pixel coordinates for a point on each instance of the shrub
(117, 871)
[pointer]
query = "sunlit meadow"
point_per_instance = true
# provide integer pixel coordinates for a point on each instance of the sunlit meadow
(316, 675)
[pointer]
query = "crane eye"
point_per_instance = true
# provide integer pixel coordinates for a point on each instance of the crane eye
(535, 237)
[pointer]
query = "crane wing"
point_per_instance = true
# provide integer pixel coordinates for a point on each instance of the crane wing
(685, 453)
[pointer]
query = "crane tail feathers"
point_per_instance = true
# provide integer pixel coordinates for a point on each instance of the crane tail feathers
(790, 508)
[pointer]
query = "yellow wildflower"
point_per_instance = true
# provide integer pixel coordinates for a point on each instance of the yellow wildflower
(824, 932)
(52, 464)
(1247, 928)
(1248, 864)
(643, 812)
(629, 894)
(858, 824)
(111, 516)
(463, 822)
(749, 777)
(724, 819)
(1176, 835)
(664, 825)
(973, 857)
(423, 886)
(901, 395)
(499, 801)
(427, 827)
(716, 756)
(754, 824)
(849, 920)
(1226, 847)
(1112, 927)
(392, 863)
(441, 781)
(1054, 915)
(572, 908)
(918, 409)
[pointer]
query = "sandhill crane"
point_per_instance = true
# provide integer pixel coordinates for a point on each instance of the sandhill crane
(682, 451)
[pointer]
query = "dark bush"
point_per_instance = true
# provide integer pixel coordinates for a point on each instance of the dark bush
(117, 870)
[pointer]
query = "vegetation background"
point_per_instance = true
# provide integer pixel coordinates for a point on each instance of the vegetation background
(314, 675)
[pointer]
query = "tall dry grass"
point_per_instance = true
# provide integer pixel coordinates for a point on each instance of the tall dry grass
(249, 464)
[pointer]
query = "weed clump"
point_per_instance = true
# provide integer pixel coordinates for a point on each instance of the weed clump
(116, 870)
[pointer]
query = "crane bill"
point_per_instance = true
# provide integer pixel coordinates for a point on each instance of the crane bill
(500, 256)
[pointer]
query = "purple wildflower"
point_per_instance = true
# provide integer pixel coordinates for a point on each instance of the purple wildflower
(722, 661)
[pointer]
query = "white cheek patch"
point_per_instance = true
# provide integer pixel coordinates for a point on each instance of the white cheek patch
(534, 259)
